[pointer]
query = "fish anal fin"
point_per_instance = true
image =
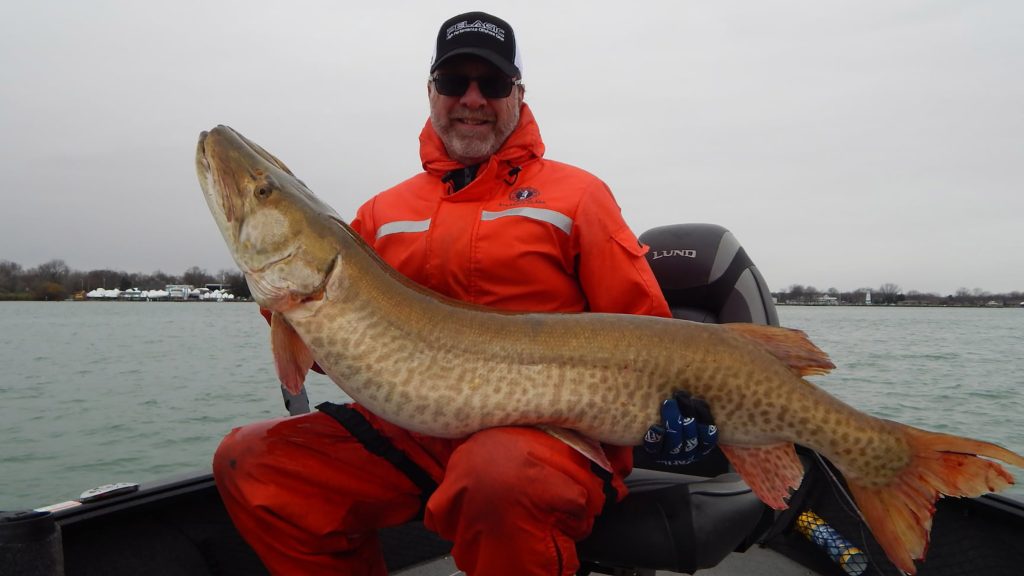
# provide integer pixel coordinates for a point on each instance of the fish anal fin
(789, 345)
(772, 471)
(291, 355)
(899, 513)
(583, 444)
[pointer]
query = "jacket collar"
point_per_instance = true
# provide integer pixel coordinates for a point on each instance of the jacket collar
(522, 145)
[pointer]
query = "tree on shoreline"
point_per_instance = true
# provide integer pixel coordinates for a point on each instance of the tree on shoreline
(891, 294)
(54, 280)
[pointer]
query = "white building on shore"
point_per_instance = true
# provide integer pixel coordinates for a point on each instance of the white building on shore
(177, 292)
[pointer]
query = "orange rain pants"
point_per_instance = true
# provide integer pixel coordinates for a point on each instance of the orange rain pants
(308, 497)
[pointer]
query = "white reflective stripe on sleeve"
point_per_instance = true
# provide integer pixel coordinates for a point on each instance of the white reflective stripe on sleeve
(557, 219)
(403, 226)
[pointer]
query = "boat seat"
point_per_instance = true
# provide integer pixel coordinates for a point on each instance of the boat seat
(706, 275)
(674, 522)
(687, 518)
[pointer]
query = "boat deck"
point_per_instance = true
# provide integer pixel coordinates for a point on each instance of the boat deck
(179, 528)
(755, 561)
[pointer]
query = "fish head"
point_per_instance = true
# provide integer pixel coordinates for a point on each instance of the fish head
(279, 233)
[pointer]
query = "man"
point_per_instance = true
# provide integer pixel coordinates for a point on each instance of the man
(491, 222)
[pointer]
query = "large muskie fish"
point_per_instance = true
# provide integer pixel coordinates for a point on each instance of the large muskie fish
(443, 368)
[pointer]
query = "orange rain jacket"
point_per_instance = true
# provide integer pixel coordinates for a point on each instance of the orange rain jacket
(527, 234)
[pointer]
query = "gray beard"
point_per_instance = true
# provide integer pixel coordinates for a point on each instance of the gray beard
(473, 150)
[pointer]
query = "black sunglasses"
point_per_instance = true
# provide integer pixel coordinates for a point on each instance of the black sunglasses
(492, 87)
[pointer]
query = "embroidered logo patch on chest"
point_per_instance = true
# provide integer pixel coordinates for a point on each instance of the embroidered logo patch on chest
(523, 194)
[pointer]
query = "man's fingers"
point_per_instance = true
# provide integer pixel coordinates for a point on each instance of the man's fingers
(702, 411)
(654, 439)
(674, 427)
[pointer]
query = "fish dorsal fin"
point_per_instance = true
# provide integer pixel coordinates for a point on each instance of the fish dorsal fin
(788, 345)
(291, 355)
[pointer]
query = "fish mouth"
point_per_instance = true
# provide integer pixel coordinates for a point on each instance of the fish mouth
(267, 265)
(284, 300)
(211, 192)
(204, 164)
(217, 155)
(321, 290)
(201, 151)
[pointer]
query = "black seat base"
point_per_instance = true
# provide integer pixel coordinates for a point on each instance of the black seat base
(674, 522)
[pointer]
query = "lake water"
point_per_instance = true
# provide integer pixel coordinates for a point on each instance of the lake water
(93, 393)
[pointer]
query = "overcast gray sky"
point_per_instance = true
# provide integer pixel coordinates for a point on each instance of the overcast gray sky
(845, 143)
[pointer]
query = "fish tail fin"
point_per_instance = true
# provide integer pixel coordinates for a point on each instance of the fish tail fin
(789, 345)
(899, 513)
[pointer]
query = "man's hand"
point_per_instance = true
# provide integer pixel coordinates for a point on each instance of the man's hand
(687, 434)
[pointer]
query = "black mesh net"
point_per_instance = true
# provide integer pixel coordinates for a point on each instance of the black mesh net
(821, 530)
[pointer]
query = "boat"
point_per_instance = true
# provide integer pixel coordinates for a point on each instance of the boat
(702, 518)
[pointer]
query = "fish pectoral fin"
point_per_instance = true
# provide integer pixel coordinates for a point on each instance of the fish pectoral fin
(790, 346)
(771, 471)
(899, 512)
(583, 444)
(291, 355)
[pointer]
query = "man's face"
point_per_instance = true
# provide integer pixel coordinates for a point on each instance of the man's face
(471, 126)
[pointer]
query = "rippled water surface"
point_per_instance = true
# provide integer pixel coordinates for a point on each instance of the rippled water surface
(92, 393)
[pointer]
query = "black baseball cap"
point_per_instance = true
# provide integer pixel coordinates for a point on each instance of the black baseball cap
(479, 34)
